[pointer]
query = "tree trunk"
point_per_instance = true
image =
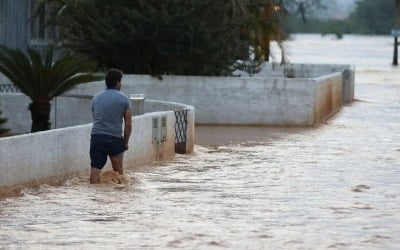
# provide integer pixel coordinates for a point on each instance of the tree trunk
(40, 112)
(267, 53)
(266, 43)
(395, 51)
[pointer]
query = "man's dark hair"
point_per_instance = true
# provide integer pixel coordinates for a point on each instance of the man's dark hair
(113, 77)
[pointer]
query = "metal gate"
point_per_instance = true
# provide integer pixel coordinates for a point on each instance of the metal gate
(180, 131)
(9, 88)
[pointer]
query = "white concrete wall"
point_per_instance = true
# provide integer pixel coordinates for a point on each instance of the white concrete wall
(231, 100)
(328, 97)
(65, 112)
(69, 111)
(296, 70)
(39, 156)
(15, 108)
(58, 153)
(63, 152)
(269, 98)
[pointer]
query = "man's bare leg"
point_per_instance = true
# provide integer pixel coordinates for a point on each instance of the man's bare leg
(116, 162)
(94, 175)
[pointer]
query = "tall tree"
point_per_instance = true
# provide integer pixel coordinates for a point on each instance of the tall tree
(154, 37)
(42, 78)
(196, 37)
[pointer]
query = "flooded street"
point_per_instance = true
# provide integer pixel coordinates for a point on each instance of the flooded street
(336, 186)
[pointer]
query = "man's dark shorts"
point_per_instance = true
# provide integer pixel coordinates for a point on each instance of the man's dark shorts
(102, 146)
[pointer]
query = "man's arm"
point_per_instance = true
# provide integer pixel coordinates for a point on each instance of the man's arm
(128, 126)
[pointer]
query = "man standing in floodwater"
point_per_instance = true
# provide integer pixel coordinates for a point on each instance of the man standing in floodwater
(111, 108)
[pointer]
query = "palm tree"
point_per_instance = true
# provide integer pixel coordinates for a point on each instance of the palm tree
(42, 79)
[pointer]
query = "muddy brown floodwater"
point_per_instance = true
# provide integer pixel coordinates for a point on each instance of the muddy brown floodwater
(331, 187)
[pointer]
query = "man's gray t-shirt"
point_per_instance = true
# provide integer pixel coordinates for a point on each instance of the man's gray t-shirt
(108, 108)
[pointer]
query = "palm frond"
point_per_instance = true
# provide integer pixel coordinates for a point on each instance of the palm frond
(15, 65)
(48, 62)
(37, 69)
(64, 73)
(39, 76)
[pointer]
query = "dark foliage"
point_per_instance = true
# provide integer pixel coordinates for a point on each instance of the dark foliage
(197, 37)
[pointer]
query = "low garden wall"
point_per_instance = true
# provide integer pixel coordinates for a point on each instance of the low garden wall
(241, 100)
(58, 153)
(65, 111)
(288, 95)
(298, 70)
(291, 95)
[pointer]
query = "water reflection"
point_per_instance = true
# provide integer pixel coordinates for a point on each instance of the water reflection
(335, 186)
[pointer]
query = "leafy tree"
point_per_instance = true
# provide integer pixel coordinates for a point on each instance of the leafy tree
(2, 121)
(197, 37)
(42, 79)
